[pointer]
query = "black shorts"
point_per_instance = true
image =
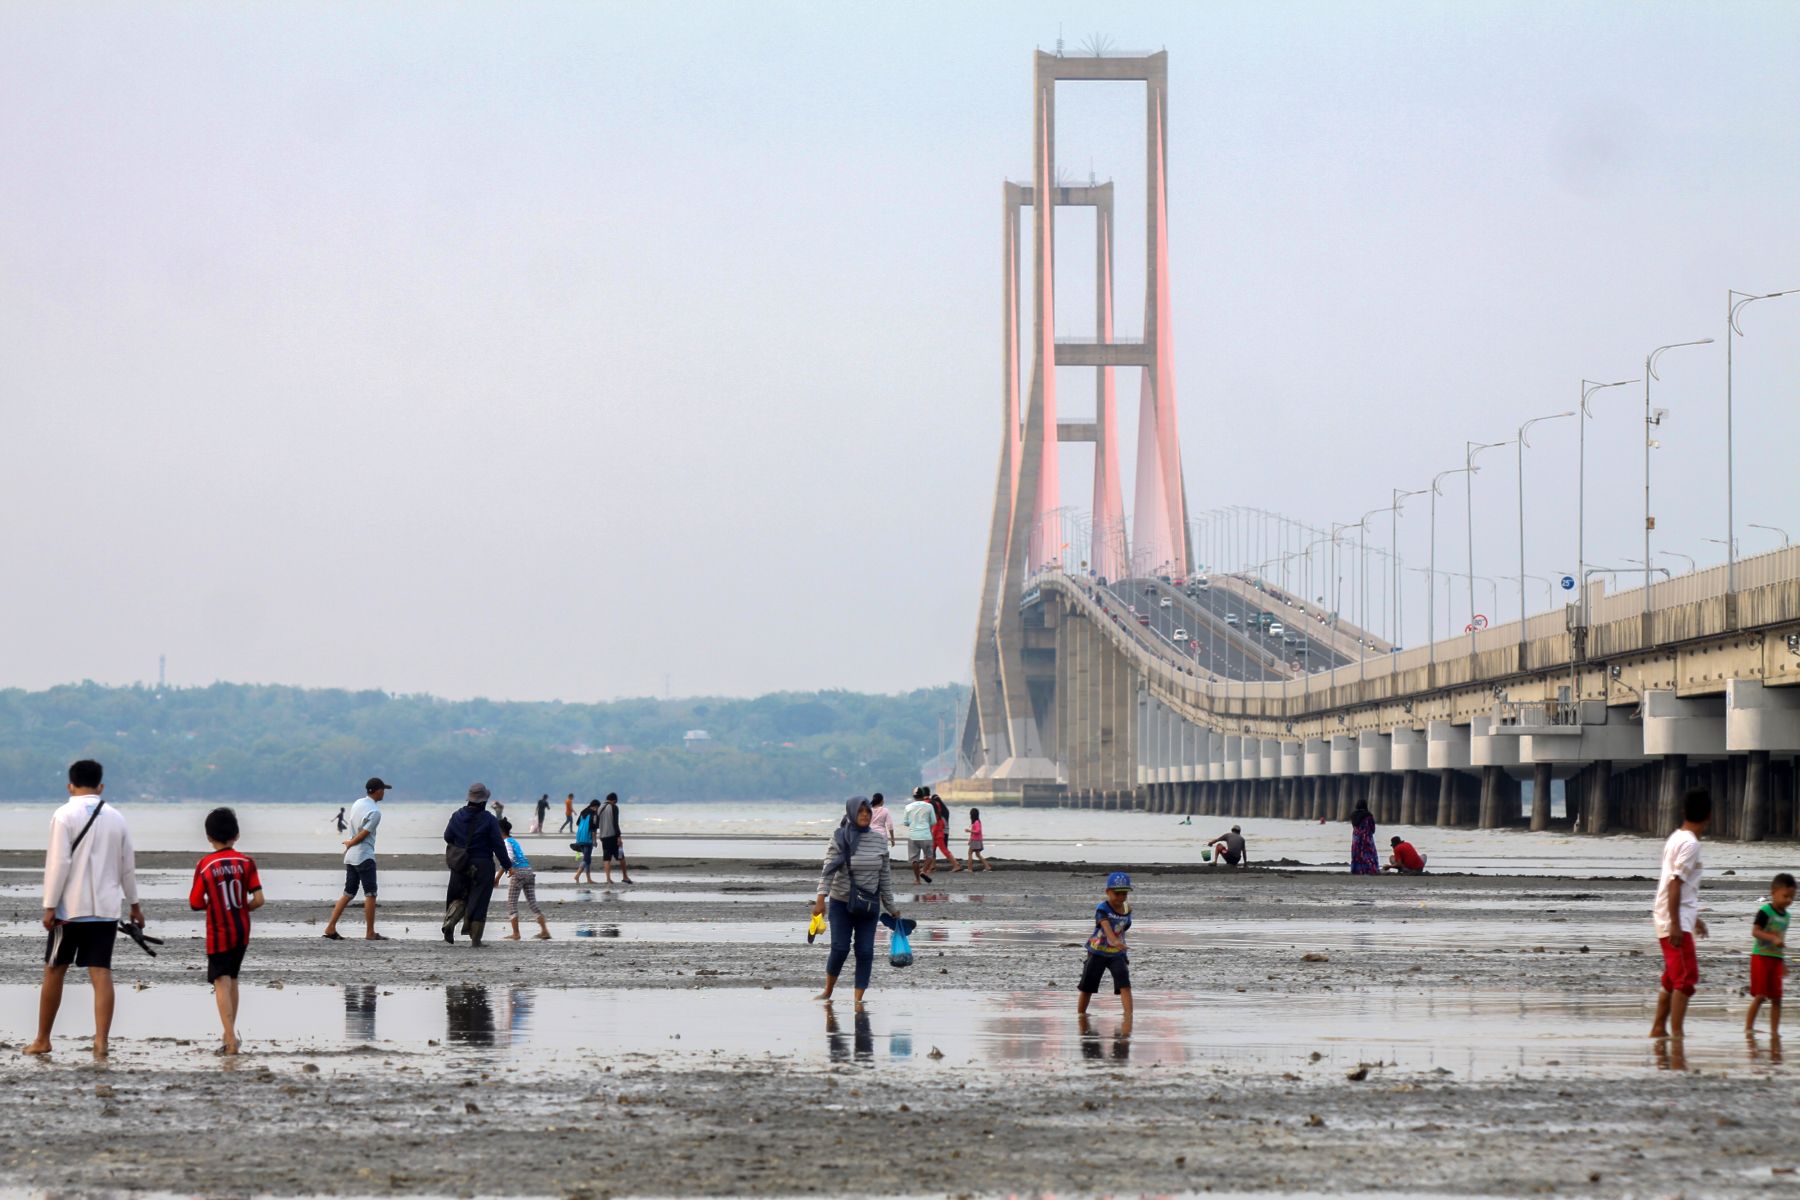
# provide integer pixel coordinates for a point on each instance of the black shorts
(226, 963)
(1233, 857)
(82, 943)
(1100, 964)
(360, 874)
(609, 849)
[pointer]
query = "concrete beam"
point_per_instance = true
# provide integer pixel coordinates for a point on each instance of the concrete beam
(1077, 431)
(1343, 754)
(1488, 749)
(1407, 749)
(1761, 718)
(1105, 354)
(1317, 757)
(1447, 747)
(1374, 753)
(1690, 727)
(1271, 759)
(1293, 759)
(1234, 756)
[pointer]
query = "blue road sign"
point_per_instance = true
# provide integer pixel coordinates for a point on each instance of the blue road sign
(1568, 583)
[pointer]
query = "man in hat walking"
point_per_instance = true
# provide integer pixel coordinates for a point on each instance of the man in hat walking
(473, 844)
(359, 860)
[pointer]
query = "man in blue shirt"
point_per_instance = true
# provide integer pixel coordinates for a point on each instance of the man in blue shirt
(359, 860)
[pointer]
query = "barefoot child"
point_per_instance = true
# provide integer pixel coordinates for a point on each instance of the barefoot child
(1106, 951)
(228, 889)
(1768, 958)
(524, 879)
(1676, 915)
(975, 842)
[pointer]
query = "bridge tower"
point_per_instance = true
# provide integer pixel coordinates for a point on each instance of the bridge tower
(1002, 732)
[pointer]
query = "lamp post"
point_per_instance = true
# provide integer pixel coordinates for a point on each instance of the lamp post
(1472, 449)
(1780, 533)
(1734, 303)
(1588, 388)
(1430, 589)
(1525, 444)
(1362, 528)
(1400, 497)
(1690, 559)
(1650, 422)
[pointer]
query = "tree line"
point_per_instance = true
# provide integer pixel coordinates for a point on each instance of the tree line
(258, 742)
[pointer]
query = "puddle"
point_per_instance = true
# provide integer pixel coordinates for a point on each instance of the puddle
(1467, 1036)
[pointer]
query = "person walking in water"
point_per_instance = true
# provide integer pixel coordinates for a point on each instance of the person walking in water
(584, 841)
(855, 887)
(473, 843)
(881, 820)
(359, 861)
(522, 879)
(568, 825)
(612, 842)
(543, 810)
(918, 819)
(1676, 915)
(1363, 859)
(89, 871)
(341, 825)
(940, 831)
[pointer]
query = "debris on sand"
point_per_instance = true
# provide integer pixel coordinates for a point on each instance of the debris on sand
(1315, 956)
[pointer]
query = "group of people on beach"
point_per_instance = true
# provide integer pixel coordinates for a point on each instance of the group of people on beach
(90, 877)
(927, 823)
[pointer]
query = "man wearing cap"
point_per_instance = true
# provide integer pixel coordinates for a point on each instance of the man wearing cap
(473, 845)
(359, 860)
(1228, 849)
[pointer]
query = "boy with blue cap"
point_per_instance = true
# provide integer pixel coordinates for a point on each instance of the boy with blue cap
(1106, 947)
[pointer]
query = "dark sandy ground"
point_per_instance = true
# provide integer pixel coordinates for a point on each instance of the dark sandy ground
(290, 1120)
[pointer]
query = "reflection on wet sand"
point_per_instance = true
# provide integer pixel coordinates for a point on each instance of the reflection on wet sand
(838, 1049)
(359, 1012)
(1091, 1047)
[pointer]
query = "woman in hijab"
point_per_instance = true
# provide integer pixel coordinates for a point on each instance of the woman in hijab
(854, 890)
(1363, 860)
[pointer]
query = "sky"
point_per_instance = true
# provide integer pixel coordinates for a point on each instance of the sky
(578, 351)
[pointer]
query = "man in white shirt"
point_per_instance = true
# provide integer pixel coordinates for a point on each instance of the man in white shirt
(359, 860)
(89, 872)
(1677, 914)
(918, 819)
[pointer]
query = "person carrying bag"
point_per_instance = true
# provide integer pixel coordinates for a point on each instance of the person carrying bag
(855, 888)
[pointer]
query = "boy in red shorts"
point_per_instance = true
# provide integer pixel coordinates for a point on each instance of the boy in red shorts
(228, 889)
(1677, 914)
(1768, 957)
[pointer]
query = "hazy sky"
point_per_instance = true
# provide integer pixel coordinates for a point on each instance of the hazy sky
(547, 350)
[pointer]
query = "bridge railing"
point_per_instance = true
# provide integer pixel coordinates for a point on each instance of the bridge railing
(1688, 607)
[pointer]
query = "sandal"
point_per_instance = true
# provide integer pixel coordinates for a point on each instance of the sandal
(334, 935)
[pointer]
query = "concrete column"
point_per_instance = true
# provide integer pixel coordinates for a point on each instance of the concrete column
(1597, 806)
(1409, 797)
(1446, 813)
(1489, 815)
(1540, 797)
(1668, 802)
(1756, 797)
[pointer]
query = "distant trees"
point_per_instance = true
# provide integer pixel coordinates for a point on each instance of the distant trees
(248, 742)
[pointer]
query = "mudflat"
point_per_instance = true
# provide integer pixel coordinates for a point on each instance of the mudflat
(1296, 1032)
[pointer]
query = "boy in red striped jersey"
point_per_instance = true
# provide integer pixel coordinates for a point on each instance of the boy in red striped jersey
(228, 889)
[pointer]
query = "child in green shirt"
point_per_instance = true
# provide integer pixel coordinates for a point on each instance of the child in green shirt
(1768, 964)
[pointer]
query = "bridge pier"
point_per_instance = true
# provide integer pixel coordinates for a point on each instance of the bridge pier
(1540, 797)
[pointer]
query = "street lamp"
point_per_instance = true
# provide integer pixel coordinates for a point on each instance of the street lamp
(1734, 302)
(1431, 591)
(1523, 445)
(1472, 449)
(1780, 533)
(1400, 497)
(1691, 567)
(1588, 388)
(1651, 422)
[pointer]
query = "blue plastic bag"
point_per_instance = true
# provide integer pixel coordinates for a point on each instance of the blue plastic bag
(899, 949)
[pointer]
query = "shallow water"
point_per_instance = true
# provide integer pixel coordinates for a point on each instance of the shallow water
(779, 830)
(1466, 1036)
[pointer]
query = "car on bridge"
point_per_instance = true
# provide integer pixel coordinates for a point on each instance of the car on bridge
(1181, 635)
(1231, 619)
(1165, 602)
(1276, 629)
(1142, 618)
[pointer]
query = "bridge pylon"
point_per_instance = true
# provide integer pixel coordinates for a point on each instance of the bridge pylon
(1003, 734)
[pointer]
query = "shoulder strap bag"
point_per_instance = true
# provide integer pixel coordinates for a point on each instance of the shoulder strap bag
(74, 845)
(457, 857)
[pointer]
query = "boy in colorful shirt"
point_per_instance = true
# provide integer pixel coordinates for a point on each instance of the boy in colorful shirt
(1768, 957)
(1106, 952)
(228, 889)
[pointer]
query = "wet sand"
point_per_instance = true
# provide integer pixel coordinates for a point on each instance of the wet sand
(667, 1045)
